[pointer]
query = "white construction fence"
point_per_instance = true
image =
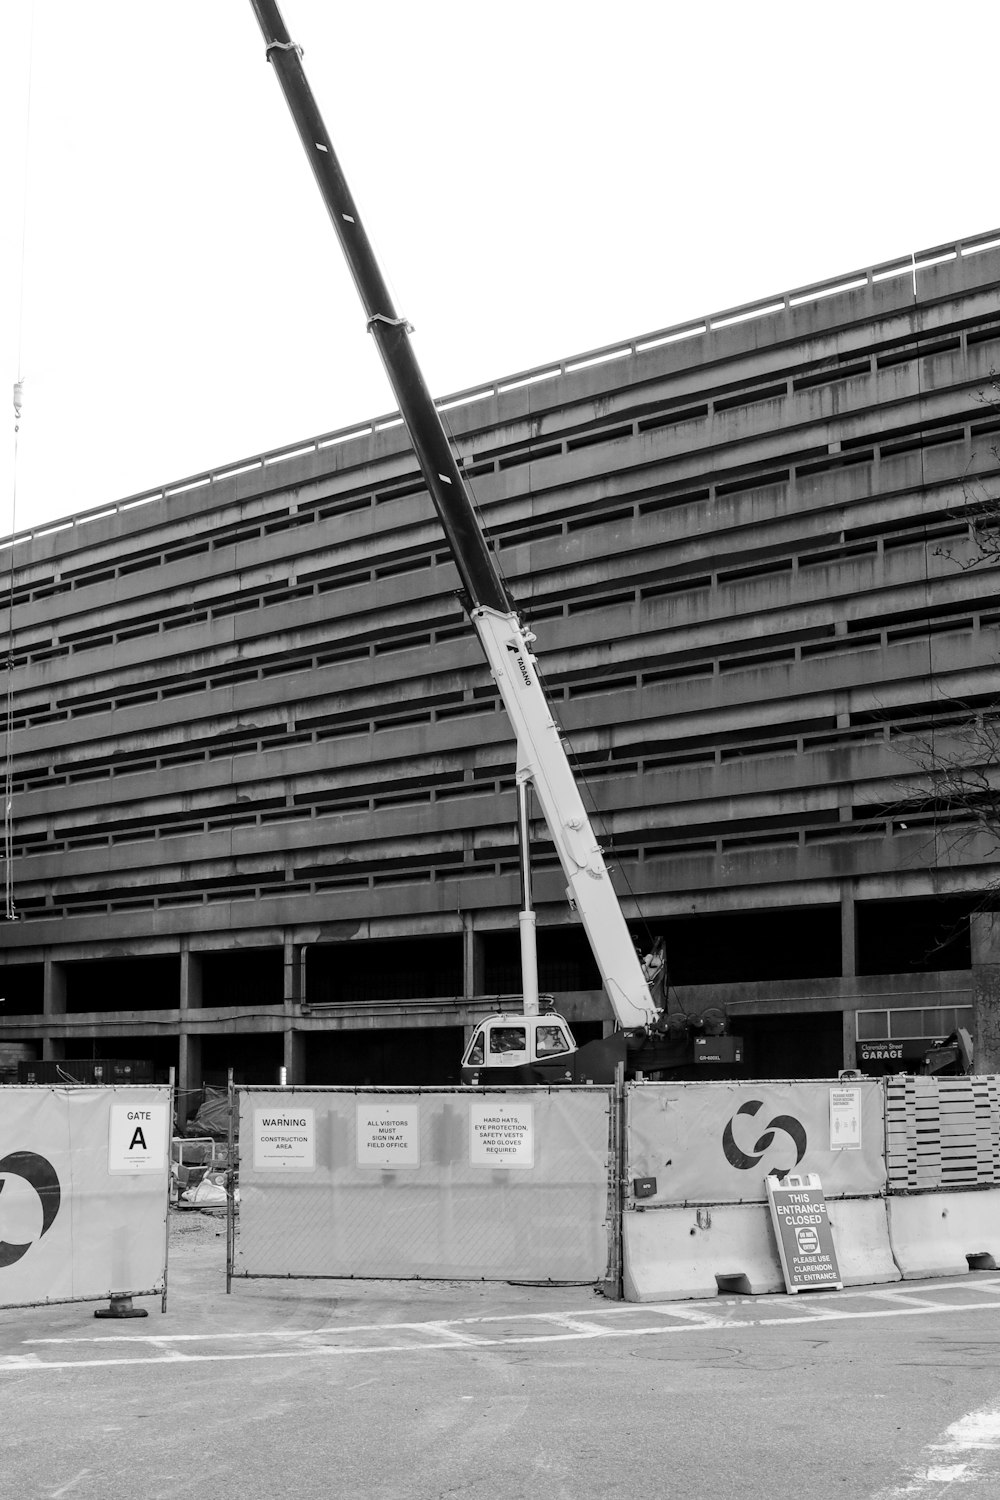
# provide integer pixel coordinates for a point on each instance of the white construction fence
(453, 1183)
(83, 1193)
(656, 1188)
(695, 1217)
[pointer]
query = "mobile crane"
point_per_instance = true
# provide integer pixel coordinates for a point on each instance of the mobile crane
(527, 1045)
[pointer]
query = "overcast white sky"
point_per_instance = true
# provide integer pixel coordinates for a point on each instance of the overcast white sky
(539, 178)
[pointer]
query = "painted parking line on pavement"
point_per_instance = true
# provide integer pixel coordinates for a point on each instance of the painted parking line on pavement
(965, 1454)
(495, 1330)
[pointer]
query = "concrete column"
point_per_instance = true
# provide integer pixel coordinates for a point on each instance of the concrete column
(985, 935)
(190, 996)
(848, 968)
(53, 1005)
(294, 1057)
(473, 961)
(188, 1045)
(188, 1075)
(850, 1039)
(53, 989)
(291, 980)
(473, 970)
(848, 936)
(53, 1048)
(293, 1042)
(299, 977)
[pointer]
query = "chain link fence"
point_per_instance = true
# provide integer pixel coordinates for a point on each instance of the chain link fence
(484, 1184)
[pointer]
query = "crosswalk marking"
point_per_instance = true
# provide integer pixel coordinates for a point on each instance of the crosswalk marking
(960, 1456)
(615, 1320)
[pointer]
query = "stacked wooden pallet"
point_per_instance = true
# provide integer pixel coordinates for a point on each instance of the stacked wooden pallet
(942, 1133)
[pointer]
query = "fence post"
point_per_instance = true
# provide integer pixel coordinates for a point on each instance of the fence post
(231, 1189)
(613, 1287)
(171, 1116)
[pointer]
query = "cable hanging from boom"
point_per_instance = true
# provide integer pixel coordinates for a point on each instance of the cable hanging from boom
(11, 913)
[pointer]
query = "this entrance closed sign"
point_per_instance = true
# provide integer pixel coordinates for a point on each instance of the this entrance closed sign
(802, 1229)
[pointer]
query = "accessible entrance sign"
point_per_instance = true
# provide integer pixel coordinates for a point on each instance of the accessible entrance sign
(802, 1230)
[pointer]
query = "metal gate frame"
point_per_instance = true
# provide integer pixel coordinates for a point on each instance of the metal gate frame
(115, 1295)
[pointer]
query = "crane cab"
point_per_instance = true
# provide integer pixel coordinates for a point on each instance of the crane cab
(515, 1048)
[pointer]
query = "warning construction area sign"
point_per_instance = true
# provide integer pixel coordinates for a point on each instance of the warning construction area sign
(802, 1229)
(284, 1140)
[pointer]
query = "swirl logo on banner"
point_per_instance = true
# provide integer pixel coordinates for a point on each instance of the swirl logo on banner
(742, 1160)
(40, 1175)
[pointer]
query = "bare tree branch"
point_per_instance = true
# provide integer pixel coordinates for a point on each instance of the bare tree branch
(981, 508)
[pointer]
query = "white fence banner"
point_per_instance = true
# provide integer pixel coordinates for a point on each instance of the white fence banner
(485, 1184)
(718, 1142)
(83, 1193)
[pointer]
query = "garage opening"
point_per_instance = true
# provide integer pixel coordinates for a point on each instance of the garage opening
(123, 984)
(796, 1044)
(565, 962)
(361, 973)
(22, 987)
(394, 1057)
(744, 947)
(243, 977)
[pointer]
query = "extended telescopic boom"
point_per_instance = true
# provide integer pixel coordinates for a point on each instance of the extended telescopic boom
(541, 756)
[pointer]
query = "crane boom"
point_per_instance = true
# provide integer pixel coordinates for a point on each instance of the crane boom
(541, 755)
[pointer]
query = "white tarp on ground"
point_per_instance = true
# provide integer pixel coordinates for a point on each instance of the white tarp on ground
(717, 1142)
(83, 1192)
(485, 1184)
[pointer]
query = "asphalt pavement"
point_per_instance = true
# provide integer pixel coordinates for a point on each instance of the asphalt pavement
(463, 1391)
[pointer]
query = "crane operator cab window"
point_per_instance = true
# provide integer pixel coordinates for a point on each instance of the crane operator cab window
(507, 1039)
(507, 1042)
(550, 1041)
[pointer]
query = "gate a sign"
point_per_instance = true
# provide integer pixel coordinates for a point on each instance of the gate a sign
(137, 1137)
(802, 1229)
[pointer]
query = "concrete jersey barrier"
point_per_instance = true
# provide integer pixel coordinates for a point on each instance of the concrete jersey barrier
(695, 1220)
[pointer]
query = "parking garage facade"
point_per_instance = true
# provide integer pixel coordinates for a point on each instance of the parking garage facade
(261, 810)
